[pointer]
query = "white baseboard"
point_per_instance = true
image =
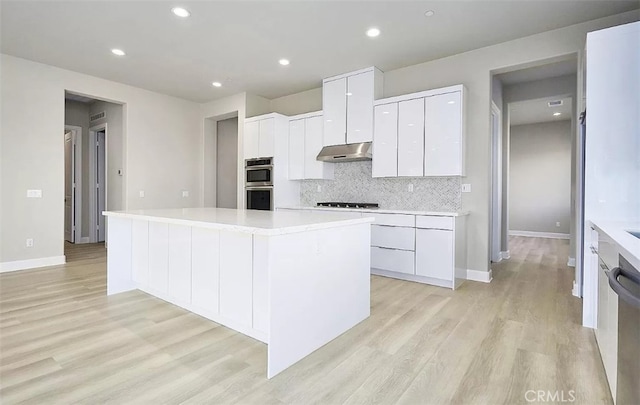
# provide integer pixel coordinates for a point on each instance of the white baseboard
(477, 275)
(549, 235)
(32, 263)
(84, 239)
(574, 290)
(505, 255)
(571, 262)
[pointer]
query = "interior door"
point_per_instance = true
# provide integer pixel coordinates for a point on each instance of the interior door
(101, 184)
(69, 185)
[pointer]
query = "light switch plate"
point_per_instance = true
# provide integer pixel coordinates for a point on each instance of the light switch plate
(141, 193)
(29, 242)
(466, 188)
(34, 193)
(185, 193)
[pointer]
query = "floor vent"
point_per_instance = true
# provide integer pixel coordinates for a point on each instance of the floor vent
(98, 116)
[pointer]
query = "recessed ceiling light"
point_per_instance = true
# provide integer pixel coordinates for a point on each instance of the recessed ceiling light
(181, 12)
(373, 32)
(284, 62)
(555, 114)
(118, 52)
(429, 13)
(216, 84)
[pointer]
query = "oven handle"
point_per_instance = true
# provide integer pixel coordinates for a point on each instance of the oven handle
(619, 289)
(259, 188)
(258, 167)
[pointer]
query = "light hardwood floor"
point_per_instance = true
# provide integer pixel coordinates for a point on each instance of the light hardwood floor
(62, 340)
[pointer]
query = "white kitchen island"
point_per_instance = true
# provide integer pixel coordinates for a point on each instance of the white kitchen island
(293, 280)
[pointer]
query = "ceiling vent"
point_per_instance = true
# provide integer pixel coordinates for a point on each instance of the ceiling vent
(555, 103)
(98, 116)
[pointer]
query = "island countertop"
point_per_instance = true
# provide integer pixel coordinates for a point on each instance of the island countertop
(250, 221)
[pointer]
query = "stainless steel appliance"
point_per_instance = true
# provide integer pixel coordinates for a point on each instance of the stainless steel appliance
(258, 172)
(347, 205)
(625, 281)
(259, 198)
(353, 152)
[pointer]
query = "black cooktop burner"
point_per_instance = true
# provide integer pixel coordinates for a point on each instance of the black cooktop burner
(347, 205)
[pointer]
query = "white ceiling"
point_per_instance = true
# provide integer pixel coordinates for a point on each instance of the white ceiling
(535, 111)
(239, 42)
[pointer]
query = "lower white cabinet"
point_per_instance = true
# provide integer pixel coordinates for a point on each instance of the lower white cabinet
(205, 269)
(394, 237)
(236, 277)
(434, 253)
(179, 263)
(402, 261)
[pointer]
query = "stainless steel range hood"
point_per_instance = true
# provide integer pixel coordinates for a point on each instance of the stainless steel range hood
(352, 152)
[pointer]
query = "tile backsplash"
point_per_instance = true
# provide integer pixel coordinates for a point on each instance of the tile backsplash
(353, 183)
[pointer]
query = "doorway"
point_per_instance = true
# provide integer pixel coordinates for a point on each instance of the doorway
(227, 163)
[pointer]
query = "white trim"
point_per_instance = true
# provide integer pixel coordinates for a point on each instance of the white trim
(549, 235)
(84, 239)
(93, 203)
(482, 276)
(77, 148)
(32, 263)
(495, 199)
(571, 262)
(506, 255)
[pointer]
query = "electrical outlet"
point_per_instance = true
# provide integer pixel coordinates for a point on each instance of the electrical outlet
(319, 188)
(141, 193)
(466, 188)
(29, 242)
(185, 193)
(410, 188)
(558, 224)
(34, 193)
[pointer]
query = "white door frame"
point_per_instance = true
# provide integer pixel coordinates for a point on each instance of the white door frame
(77, 192)
(495, 230)
(93, 175)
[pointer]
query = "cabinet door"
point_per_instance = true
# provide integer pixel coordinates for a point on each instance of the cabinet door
(266, 145)
(334, 106)
(179, 263)
(360, 108)
(443, 135)
(205, 268)
(236, 277)
(385, 141)
(251, 139)
(434, 253)
(312, 146)
(411, 137)
(296, 149)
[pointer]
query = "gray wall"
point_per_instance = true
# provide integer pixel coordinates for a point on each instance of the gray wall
(226, 163)
(540, 177)
(353, 183)
(76, 113)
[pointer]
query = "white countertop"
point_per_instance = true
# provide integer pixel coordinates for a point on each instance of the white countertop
(250, 221)
(382, 211)
(629, 245)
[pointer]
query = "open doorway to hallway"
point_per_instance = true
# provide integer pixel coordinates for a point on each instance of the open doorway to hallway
(534, 147)
(94, 159)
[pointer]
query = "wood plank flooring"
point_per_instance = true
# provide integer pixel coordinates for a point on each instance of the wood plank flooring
(62, 340)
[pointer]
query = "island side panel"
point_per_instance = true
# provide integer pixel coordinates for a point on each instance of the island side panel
(119, 274)
(319, 286)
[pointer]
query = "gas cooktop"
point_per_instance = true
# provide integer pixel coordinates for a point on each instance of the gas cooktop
(347, 205)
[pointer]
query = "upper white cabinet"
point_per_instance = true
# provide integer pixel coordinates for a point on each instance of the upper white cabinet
(305, 142)
(428, 130)
(411, 137)
(385, 145)
(443, 135)
(347, 103)
(259, 138)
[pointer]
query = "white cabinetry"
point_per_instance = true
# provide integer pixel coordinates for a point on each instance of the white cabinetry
(443, 152)
(347, 103)
(259, 137)
(427, 128)
(385, 141)
(305, 142)
(411, 137)
(434, 253)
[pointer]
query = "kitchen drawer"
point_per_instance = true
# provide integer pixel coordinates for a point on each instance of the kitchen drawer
(393, 219)
(432, 222)
(401, 261)
(393, 237)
